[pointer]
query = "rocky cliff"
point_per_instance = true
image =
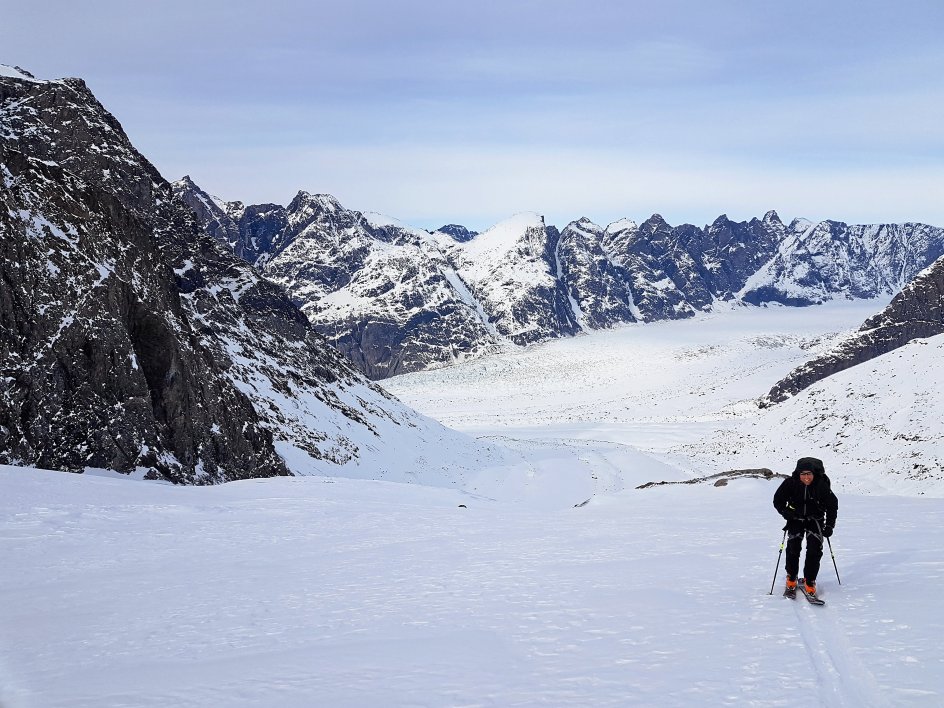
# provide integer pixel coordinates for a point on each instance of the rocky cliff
(134, 341)
(916, 312)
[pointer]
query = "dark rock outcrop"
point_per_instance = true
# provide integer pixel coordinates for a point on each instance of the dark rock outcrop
(596, 286)
(102, 365)
(916, 312)
(458, 232)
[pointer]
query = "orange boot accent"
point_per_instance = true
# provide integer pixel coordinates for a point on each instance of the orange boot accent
(810, 587)
(791, 583)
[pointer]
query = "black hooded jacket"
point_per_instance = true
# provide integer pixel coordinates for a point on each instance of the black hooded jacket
(794, 500)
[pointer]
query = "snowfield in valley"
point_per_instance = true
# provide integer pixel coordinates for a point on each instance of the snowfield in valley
(540, 577)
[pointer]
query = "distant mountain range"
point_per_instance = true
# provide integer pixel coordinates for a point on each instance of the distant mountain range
(396, 299)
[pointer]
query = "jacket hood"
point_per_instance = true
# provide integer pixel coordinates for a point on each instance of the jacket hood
(813, 464)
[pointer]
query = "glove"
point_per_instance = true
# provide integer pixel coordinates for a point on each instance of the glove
(789, 512)
(827, 531)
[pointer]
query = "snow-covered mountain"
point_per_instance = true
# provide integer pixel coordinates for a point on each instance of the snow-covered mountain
(511, 271)
(133, 341)
(597, 287)
(881, 422)
(248, 231)
(831, 260)
(917, 312)
(396, 299)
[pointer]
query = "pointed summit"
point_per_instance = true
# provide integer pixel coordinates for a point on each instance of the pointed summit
(16, 72)
(621, 225)
(324, 202)
(721, 221)
(458, 232)
(655, 223)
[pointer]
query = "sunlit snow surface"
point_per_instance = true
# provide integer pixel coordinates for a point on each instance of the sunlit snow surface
(338, 592)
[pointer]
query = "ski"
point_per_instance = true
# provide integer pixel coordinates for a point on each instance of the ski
(790, 592)
(812, 598)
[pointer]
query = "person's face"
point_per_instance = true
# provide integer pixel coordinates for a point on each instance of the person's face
(806, 477)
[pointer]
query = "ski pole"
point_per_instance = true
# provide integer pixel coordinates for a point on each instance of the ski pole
(831, 554)
(777, 568)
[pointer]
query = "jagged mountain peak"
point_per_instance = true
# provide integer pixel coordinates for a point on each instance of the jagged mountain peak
(16, 72)
(583, 225)
(186, 184)
(524, 281)
(504, 235)
(318, 212)
(622, 225)
(721, 220)
(457, 232)
(321, 202)
(655, 223)
(393, 229)
(800, 224)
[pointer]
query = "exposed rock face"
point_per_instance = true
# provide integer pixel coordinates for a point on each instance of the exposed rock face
(728, 252)
(113, 372)
(382, 293)
(916, 312)
(662, 276)
(249, 232)
(132, 340)
(102, 364)
(597, 287)
(511, 271)
(458, 232)
(831, 260)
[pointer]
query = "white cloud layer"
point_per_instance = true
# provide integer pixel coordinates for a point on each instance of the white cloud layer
(457, 111)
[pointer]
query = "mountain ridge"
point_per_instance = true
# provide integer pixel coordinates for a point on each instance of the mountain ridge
(523, 281)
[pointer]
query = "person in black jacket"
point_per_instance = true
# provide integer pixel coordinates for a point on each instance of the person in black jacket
(808, 504)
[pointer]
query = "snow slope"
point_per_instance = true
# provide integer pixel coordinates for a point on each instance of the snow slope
(303, 592)
(881, 422)
(546, 578)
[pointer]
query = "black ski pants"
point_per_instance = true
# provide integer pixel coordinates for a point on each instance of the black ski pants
(814, 554)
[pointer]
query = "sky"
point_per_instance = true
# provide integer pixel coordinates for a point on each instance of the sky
(439, 112)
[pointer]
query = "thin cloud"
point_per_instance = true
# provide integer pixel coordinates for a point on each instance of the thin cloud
(455, 111)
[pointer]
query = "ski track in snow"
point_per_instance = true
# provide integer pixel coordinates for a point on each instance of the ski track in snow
(843, 679)
(497, 592)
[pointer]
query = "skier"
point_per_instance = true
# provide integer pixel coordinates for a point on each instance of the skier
(808, 504)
